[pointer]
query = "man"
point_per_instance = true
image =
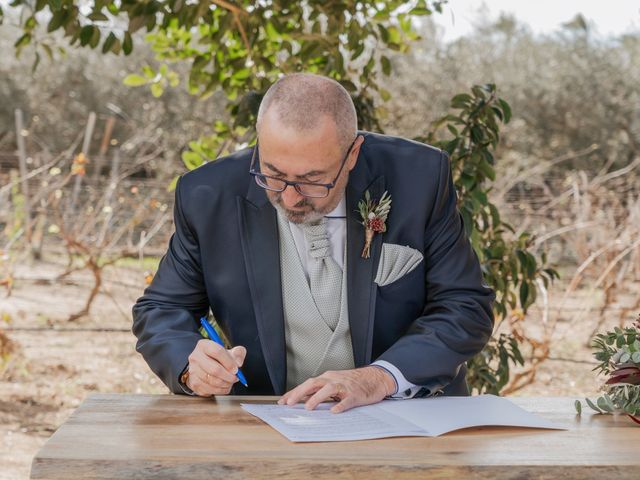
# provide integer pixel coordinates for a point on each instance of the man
(271, 240)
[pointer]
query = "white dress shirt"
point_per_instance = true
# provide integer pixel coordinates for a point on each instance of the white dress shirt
(337, 232)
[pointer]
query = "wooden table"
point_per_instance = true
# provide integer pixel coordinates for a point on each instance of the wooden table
(169, 436)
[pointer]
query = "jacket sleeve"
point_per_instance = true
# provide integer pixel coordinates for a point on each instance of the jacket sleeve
(457, 319)
(165, 317)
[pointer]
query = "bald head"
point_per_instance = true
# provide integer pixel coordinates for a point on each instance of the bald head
(300, 100)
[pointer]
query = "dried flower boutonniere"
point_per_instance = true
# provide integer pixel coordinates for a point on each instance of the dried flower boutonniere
(374, 216)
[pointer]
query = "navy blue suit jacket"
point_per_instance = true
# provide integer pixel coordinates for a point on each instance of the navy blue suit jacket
(224, 255)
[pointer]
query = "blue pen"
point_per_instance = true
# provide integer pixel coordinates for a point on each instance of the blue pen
(213, 335)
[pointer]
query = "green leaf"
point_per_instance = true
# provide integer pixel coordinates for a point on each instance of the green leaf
(108, 43)
(349, 85)
(394, 35)
(420, 11)
(384, 33)
(461, 100)
(57, 20)
(386, 65)
(477, 134)
(48, 50)
(116, 47)
(592, 405)
(191, 160)
(156, 90)
(173, 78)
(127, 44)
(358, 51)
(604, 405)
(136, 23)
(134, 80)
(30, 23)
(506, 109)
(242, 74)
(609, 403)
(95, 38)
(172, 186)
(148, 72)
(151, 22)
(85, 34)
(271, 32)
(524, 294)
(22, 41)
(98, 17)
(35, 63)
(487, 169)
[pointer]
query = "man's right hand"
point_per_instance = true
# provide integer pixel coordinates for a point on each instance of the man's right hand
(212, 368)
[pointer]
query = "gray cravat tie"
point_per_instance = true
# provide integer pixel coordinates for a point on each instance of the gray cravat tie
(325, 276)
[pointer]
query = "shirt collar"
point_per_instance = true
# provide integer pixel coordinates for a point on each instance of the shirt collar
(340, 211)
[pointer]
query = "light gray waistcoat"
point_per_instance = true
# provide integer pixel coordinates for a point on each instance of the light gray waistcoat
(312, 347)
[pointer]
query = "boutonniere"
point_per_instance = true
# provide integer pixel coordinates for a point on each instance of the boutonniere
(374, 217)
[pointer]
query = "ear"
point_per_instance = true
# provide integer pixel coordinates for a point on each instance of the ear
(355, 151)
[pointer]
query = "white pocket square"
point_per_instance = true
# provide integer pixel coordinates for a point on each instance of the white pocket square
(395, 262)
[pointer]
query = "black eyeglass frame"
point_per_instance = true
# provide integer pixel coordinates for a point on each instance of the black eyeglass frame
(296, 185)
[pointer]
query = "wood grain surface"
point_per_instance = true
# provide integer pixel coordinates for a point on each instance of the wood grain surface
(171, 436)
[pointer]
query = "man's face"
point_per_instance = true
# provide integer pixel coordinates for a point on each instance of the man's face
(312, 156)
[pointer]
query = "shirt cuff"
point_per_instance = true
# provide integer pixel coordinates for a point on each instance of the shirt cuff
(404, 388)
(184, 388)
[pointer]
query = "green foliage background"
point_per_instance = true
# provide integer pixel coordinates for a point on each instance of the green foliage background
(242, 47)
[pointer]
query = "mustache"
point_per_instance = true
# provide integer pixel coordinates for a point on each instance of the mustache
(301, 204)
(296, 213)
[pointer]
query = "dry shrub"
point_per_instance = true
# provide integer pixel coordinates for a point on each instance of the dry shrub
(589, 224)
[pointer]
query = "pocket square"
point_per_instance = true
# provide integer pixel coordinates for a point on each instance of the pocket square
(395, 262)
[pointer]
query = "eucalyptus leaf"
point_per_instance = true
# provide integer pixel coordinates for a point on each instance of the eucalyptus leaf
(604, 405)
(593, 406)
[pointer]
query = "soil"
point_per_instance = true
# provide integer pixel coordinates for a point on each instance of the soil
(58, 363)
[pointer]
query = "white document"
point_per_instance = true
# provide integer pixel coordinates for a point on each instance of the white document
(423, 417)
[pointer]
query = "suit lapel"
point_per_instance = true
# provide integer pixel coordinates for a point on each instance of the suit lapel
(261, 252)
(361, 289)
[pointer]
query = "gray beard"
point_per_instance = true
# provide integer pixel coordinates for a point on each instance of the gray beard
(311, 217)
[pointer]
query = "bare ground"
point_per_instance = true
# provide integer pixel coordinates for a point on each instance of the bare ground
(58, 362)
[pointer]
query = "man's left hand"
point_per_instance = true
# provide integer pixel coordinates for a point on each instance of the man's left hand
(350, 388)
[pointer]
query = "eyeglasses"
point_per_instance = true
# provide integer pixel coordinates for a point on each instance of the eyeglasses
(306, 189)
